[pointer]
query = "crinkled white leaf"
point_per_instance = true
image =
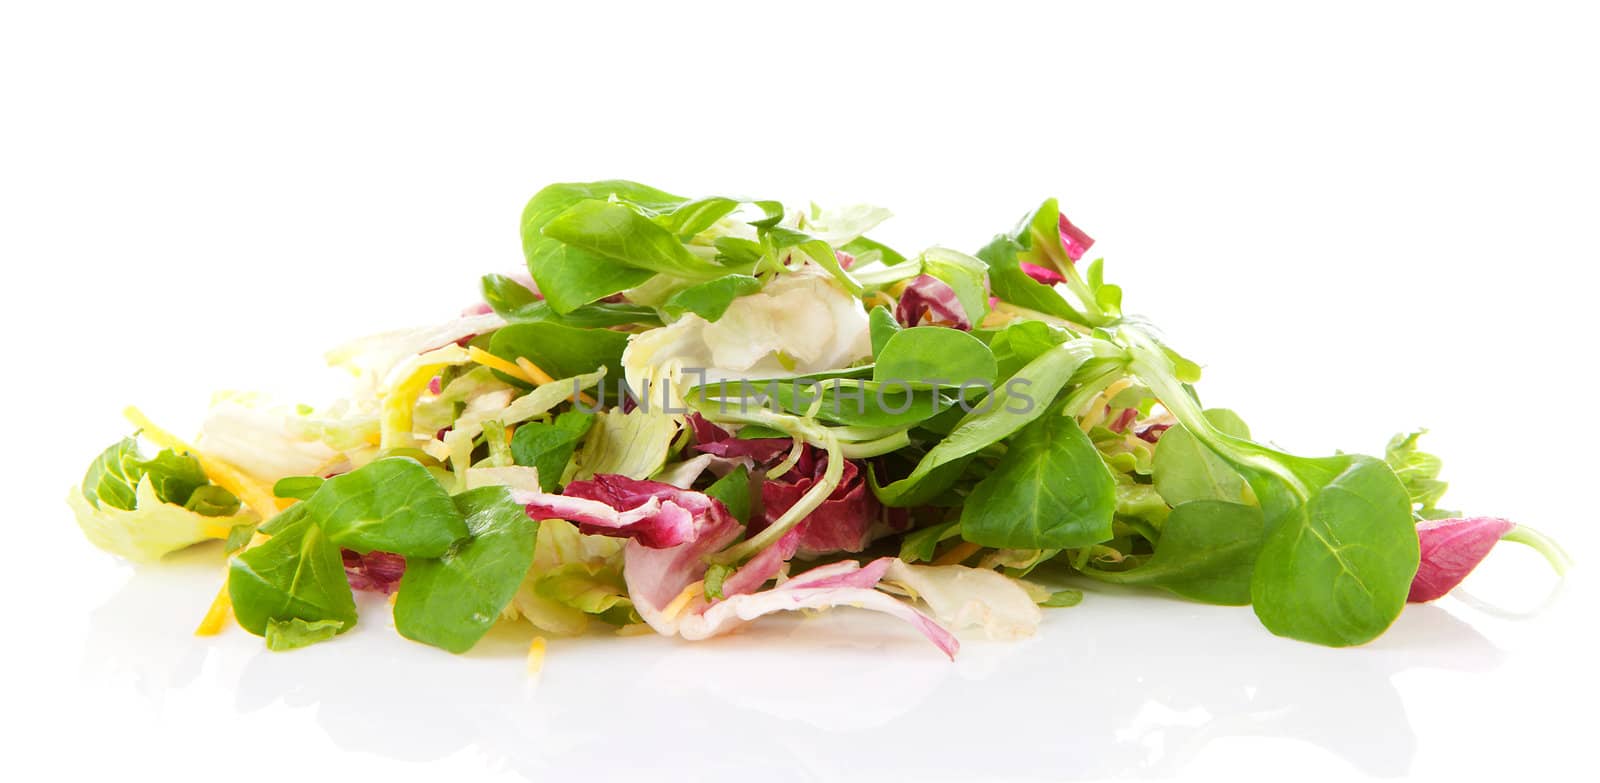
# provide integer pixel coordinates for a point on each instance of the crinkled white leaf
(963, 597)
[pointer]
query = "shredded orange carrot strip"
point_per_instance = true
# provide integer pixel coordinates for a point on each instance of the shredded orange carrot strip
(539, 376)
(217, 615)
(490, 360)
(248, 490)
(957, 553)
(534, 371)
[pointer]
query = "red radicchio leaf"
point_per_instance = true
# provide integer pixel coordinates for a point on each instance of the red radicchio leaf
(1073, 240)
(1123, 419)
(1042, 275)
(656, 515)
(1451, 548)
(845, 522)
(378, 572)
(1153, 432)
(711, 439)
(765, 565)
(928, 296)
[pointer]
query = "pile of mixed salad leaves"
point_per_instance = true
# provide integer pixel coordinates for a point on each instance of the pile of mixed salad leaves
(693, 413)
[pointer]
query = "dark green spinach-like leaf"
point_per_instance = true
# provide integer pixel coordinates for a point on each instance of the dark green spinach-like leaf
(619, 233)
(284, 519)
(882, 325)
(918, 545)
(1020, 400)
(1340, 547)
(965, 276)
(212, 501)
(294, 633)
(710, 299)
(452, 601)
(734, 492)
(297, 487)
(515, 303)
(113, 480)
(570, 277)
(778, 239)
(924, 356)
(295, 574)
(1185, 470)
(697, 216)
(847, 401)
(1022, 342)
(391, 505)
(114, 475)
(866, 250)
(238, 538)
(562, 351)
(1340, 550)
(175, 476)
(1051, 490)
(738, 252)
(548, 447)
(1207, 552)
(1011, 284)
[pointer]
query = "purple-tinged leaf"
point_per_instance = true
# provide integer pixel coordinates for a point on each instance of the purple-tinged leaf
(1450, 549)
(1041, 274)
(377, 572)
(656, 515)
(847, 520)
(1074, 240)
(927, 300)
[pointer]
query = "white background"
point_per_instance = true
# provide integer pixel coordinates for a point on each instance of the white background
(1360, 219)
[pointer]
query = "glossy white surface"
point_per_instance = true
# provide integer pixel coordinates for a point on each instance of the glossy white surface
(1123, 685)
(1360, 220)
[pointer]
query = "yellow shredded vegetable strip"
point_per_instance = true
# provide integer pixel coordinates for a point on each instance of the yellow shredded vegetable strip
(536, 657)
(217, 615)
(677, 605)
(534, 371)
(257, 497)
(222, 604)
(1099, 407)
(957, 553)
(878, 298)
(491, 361)
(253, 494)
(540, 377)
(400, 400)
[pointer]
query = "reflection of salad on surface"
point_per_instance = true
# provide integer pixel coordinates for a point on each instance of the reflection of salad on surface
(695, 413)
